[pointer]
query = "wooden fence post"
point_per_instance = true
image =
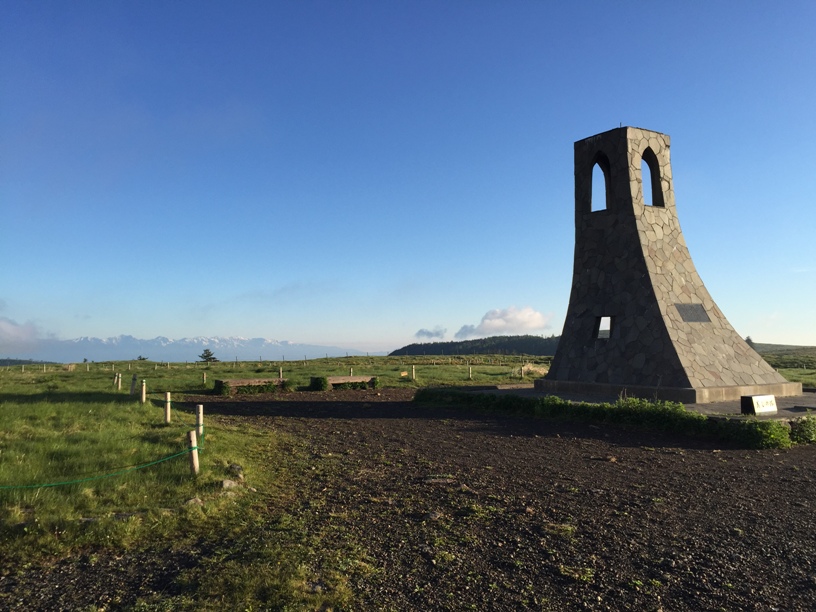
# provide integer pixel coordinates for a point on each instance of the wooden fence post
(280, 373)
(470, 373)
(143, 399)
(167, 407)
(192, 444)
(200, 420)
(204, 377)
(133, 385)
(413, 372)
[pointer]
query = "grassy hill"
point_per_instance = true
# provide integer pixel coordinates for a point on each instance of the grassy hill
(788, 356)
(796, 362)
(495, 345)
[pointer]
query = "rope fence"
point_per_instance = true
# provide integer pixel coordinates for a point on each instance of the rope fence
(100, 477)
(195, 438)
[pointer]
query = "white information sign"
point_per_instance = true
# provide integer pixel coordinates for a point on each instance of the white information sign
(758, 404)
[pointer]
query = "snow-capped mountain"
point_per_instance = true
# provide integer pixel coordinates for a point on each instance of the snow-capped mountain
(124, 348)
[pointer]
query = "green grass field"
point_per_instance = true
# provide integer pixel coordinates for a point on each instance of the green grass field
(85, 467)
(75, 452)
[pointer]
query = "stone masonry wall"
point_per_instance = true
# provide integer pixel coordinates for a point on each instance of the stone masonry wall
(632, 265)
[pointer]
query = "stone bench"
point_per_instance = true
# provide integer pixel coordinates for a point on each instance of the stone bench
(230, 386)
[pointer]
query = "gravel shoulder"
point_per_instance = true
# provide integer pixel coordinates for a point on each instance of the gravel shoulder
(459, 510)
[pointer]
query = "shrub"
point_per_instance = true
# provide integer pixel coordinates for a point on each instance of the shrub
(658, 415)
(221, 388)
(763, 434)
(319, 383)
(803, 431)
(287, 386)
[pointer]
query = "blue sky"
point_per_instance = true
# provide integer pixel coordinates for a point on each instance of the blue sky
(350, 173)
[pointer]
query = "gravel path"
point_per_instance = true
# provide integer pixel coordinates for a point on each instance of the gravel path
(453, 510)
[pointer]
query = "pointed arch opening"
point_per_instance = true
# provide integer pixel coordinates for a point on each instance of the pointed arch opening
(600, 195)
(650, 178)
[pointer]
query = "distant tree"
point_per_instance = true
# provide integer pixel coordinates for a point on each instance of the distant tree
(207, 356)
(140, 358)
(749, 342)
(85, 360)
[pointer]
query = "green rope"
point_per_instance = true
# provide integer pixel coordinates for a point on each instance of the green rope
(190, 426)
(131, 469)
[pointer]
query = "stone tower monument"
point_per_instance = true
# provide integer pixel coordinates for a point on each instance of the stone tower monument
(640, 321)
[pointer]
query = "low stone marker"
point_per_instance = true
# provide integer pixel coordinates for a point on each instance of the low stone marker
(758, 404)
(342, 380)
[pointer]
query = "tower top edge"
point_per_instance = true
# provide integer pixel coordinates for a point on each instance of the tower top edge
(622, 129)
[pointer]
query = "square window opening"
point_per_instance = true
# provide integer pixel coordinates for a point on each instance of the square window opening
(603, 327)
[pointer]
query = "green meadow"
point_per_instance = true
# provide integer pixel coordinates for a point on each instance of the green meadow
(87, 469)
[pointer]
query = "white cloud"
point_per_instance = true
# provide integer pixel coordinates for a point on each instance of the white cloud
(14, 334)
(505, 322)
(436, 332)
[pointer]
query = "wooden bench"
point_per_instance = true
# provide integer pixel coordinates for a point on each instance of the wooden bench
(230, 386)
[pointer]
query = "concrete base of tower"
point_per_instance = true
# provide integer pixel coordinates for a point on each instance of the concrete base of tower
(687, 395)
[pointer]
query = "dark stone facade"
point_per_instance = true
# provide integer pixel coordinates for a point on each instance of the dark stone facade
(634, 276)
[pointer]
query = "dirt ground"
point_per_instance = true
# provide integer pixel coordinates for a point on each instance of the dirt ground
(458, 510)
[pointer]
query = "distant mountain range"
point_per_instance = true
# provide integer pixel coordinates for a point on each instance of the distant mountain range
(126, 348)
